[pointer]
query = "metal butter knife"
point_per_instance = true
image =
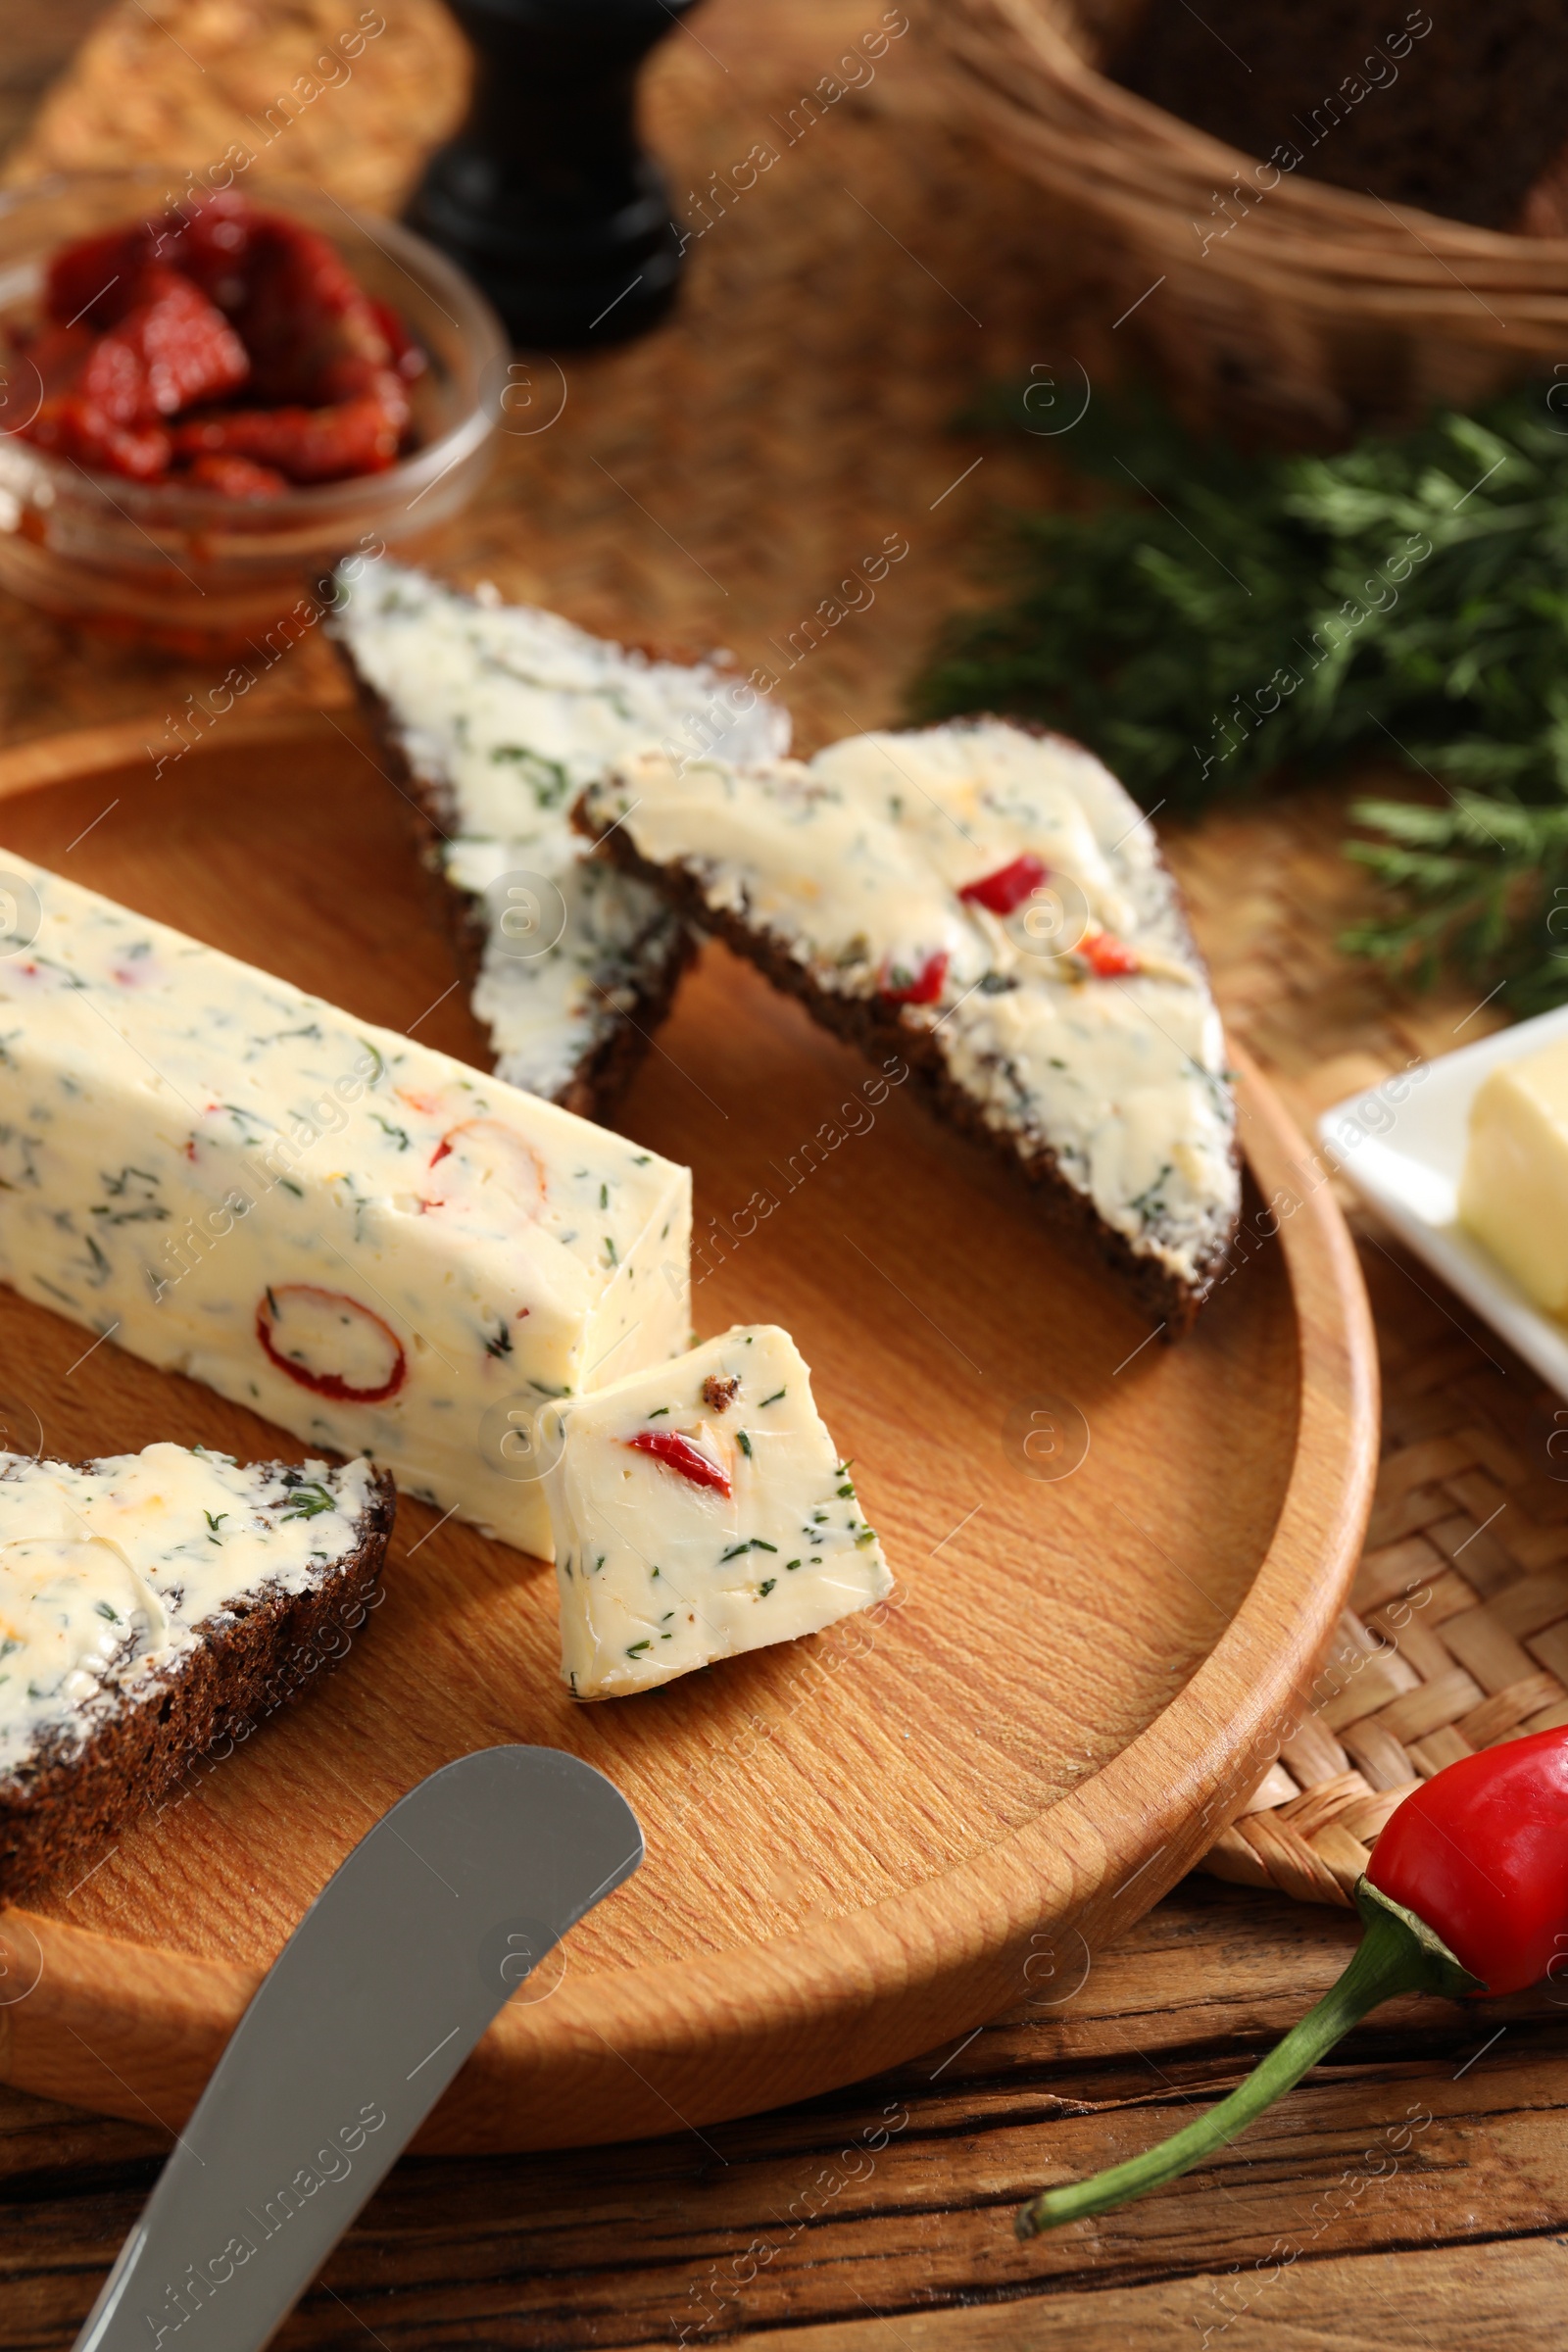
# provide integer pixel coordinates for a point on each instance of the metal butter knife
(435, 1919)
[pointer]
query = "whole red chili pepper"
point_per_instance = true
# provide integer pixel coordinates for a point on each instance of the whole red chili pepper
(1467, 1893)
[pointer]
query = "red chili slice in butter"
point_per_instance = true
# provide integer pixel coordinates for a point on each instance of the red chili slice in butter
(330, 1343)
(1107, 958)
(485, 1164)
(676, 1452)
(924, 987)
(1004, 891)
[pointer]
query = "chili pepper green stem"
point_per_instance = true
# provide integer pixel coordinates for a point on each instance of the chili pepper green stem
(1398, 1953)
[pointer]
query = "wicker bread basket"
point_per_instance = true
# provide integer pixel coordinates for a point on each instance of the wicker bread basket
(1320, 313)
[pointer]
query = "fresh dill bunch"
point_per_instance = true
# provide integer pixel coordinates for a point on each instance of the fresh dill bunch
(1216, 617)
(1417, 586)
(1479, 884)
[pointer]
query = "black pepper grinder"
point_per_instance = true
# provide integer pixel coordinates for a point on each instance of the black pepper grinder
(545, 196)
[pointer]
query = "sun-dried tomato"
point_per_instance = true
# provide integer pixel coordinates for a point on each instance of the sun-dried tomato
(171, 348)
(94, 281)
(77, 429)
(171, 318)
(308, 445)
(238, 477)
(311, 329)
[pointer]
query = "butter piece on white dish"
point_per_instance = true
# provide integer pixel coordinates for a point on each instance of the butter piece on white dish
(1513, 1194)
(356, 1235)
(699, 1510)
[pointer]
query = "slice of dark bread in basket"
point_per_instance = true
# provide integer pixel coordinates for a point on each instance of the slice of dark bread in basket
(493, 717)
(154, 1608)
(987, 901)
(1457, 110)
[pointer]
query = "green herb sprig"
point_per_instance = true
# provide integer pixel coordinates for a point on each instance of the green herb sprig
(307, 1500)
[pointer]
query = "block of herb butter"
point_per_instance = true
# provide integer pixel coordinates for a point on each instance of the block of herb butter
(1513, 1193)
(700, 1510)
(355, 1235)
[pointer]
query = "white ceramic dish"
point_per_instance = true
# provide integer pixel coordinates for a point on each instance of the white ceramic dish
(1402, 1146)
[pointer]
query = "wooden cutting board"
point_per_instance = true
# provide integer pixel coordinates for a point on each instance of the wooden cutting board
(859, 1843)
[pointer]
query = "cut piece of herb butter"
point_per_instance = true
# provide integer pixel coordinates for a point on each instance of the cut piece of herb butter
(355, 1235)
(700, 1510)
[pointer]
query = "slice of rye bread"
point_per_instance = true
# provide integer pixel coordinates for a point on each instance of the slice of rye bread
(881, 948)
(491, 717)
(600, 1075)
(248, 1629)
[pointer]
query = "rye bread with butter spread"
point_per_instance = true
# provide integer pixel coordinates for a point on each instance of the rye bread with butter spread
(147, 1662)
(599, 1078)
(492, 717)
(986, 901)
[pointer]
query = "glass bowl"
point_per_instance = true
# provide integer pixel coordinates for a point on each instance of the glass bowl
(187, 567)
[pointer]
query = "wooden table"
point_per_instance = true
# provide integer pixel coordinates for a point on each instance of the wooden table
(1324, 2228)
(1414, 2190)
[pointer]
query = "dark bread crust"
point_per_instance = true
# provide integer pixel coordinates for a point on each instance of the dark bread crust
(877, 1029)
(604, 1073)
(58, 1809)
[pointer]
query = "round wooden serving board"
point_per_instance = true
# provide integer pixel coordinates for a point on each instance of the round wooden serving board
(860, 1843)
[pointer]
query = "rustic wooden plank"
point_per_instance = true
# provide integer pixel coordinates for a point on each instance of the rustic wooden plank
(1499, 2296)
(897, 2194)
(818, 2217)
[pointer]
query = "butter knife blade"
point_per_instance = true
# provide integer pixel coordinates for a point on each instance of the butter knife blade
(430, 1925)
